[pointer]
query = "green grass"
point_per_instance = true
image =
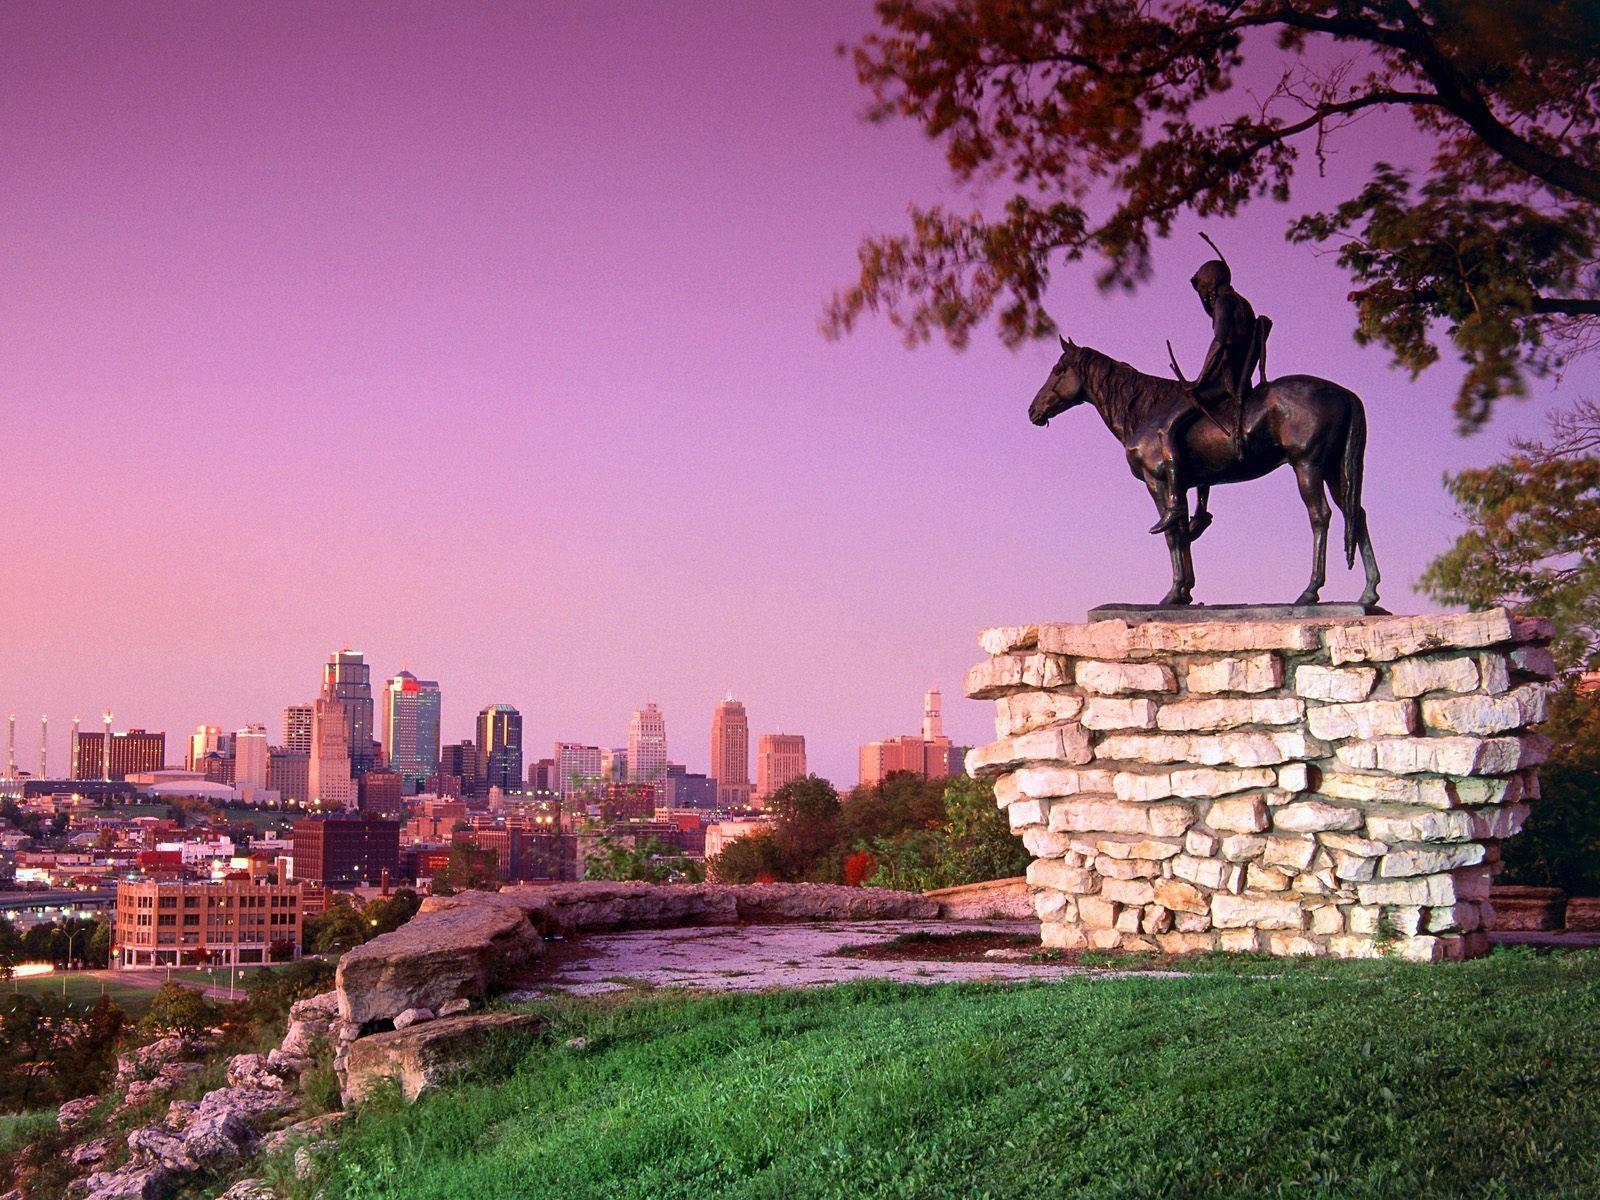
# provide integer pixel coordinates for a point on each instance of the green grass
(1347, 1080)
(83, 990)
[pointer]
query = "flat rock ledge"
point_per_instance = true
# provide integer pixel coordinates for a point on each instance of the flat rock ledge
(425, 1056)
(1312, 785)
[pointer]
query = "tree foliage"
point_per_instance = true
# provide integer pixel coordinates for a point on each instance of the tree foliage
(181, 1010)
(1533, 534)
(646, 859)
(1105, 120)
(1560, 845)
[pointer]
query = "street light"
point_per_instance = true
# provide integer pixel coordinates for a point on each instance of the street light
(71, 937)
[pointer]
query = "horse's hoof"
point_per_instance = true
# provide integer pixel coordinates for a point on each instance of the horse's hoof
(1176, 600)
(1309, 596)
(1369, 598)
(1198, 524)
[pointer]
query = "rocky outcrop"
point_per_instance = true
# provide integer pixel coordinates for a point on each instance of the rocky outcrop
(425, 1055)
(1303, 786)
(997, 899)
(436, 957)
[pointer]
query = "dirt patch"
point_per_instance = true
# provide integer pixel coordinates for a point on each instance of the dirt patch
(970, 946)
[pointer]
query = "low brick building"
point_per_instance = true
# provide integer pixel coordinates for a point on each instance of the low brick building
(235, 922)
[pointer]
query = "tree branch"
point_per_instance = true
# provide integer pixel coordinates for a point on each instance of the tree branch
(1566, 306)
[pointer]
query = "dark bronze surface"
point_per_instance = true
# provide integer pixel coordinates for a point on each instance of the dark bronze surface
(1134, 614)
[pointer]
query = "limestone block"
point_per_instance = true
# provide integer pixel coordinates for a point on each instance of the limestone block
(1067, 743)
(1495, 668)
(1026, 813)
(1415, 676)
(1458, 755)
(1238, 912)
(1246, 748)
(1170, 819)
(1353, 945)
(1533, 629)
(1100, 640)
(423, 1057)
(1349, 843)
(1258, 878)
(1327, 920)
(1053, 873)
(1222, 637)
(1244, 673)
(1343, 686)
(1118, 678)
(1238, 941)
(1295, 853)
(1148, 848)
(1049, 906)
(1487, 714)
(1364, 918)
(1354, 868)
(1534, 660)
(1181, 896)
(1242, 814)
(1057, 936)
(1126, 868)
(1008, 673)
(1104, 939)
(1290, 945)
(1041, 843)
(1003, 639)
(1006, 792)
(1118, 712)
(1207, 872)
(1185, 942)
(1200, 843)
(1230, 713)
(1314, 816)
(1422, 949)
(1386, 789)
(1294, 777)
(1497, 823)
(1454, 918)
(1128, 891)
(1185, 922)
(1128, 921)
(1429, 860)
(1056, 782)
(1384, 639)
(1368, 719)
(1190, 783)
(1155, 919)
(1430, 891)
(1096, 913)
(1241, 847)
(1420, 825)
(1109, 816)
(1033, 710)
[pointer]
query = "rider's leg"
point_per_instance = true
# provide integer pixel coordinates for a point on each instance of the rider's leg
(1174, 504)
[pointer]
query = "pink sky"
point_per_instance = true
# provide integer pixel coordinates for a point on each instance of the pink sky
(483, 338)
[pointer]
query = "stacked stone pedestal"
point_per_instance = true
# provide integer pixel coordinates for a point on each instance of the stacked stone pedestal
(1303, 786)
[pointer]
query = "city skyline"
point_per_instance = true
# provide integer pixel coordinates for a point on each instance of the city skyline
(394, 242)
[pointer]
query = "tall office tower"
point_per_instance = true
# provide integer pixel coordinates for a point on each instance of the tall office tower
(577, 768)
(780, 758)
(411, 728)
(250, 761)
(347, 679)
(206, 739)
(647, 744)
(730, 754)
(500, 747)
(328, 777)
(289, 774)
(614, 764)
(461, 760)
(131, 753)
(297, 729)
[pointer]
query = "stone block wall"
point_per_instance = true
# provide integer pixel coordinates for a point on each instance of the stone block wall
(1304, 786)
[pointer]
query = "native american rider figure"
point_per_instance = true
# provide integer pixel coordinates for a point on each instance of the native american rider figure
(1238, 349)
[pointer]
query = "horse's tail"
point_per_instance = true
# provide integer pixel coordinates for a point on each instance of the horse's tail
(1355, 451)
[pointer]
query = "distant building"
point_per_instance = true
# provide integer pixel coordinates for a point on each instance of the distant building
(297, 729)
(132, 753)
(347, 681)
(500, 747)
(730, 754)
(380, 793)
(614, 764)
(250, 755)
(330, 781)
(173, 923)
(206, 739)
(216, 767)
(647, 744)
(542, 778)
(928, 755)
(577, 768)
(720, 835)
(460, 759)
(627, 801)
(681, 789)
(346, 851)
(780, 759)
(289, 774)
(411, 728)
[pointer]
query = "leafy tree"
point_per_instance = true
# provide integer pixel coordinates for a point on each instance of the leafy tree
(471, 868)
(1533, 534)
(753, 859)
(646, 859)
(1560, 845)
(386, 914)
(1105, 120)
(978, 843)
(806, 832)
(337, 928)
(181, 1010)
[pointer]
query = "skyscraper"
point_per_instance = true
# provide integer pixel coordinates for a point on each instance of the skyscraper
(329, 778)
(297, 729)
(500, 747)
(780, 758)
(347, 679)
(206, 739)
(460, 760)
(132, 753)
(730, 754)
(577, 768)
(250, 761)
(647, 744)
(411, 728)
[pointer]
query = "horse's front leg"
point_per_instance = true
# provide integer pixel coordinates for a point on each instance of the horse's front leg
(1182, 590)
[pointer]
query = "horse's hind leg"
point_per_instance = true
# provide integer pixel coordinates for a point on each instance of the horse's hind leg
(1315, 494)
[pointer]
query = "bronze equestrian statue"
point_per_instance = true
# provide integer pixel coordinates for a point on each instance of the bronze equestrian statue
(1318, 428)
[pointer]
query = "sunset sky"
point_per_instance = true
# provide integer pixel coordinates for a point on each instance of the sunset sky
(483, 339)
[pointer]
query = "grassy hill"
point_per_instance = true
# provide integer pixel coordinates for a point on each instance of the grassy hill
(1326, 1079)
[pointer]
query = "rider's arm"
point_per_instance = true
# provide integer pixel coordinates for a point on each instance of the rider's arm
(1216, 356)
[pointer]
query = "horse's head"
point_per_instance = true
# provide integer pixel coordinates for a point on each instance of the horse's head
(1062, 390)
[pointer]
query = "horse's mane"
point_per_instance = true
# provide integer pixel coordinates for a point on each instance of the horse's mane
(1125, 395)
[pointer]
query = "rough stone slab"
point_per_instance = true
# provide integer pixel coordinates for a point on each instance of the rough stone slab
(1367, 719)
(1345, 686)
(1253, 748)
(1487, 714)
(1349, 843)
(1120, 678)
(1053, 873)
(1190, 783)
(1050, 783)
(1117, 712)
(1387, 789)
(1384, 639)
(1295, 853)
(1416, 676)
(1428, 891)
(1008, 673)
(1316, 816)
(1025, 711)
(1429, 860)
(1065, 743)
(1420, 825)
(1181, 716)
(1223, 637)
(1098, 639)
(1148, 849)
(1243, 814)
(1459, 755)
(1534, 660)
(1109, 816)
(1003, 639)
(1250, 673)
(1241, 912)
(426, 1055)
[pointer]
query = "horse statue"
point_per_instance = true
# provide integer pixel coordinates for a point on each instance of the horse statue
(1318, 428)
